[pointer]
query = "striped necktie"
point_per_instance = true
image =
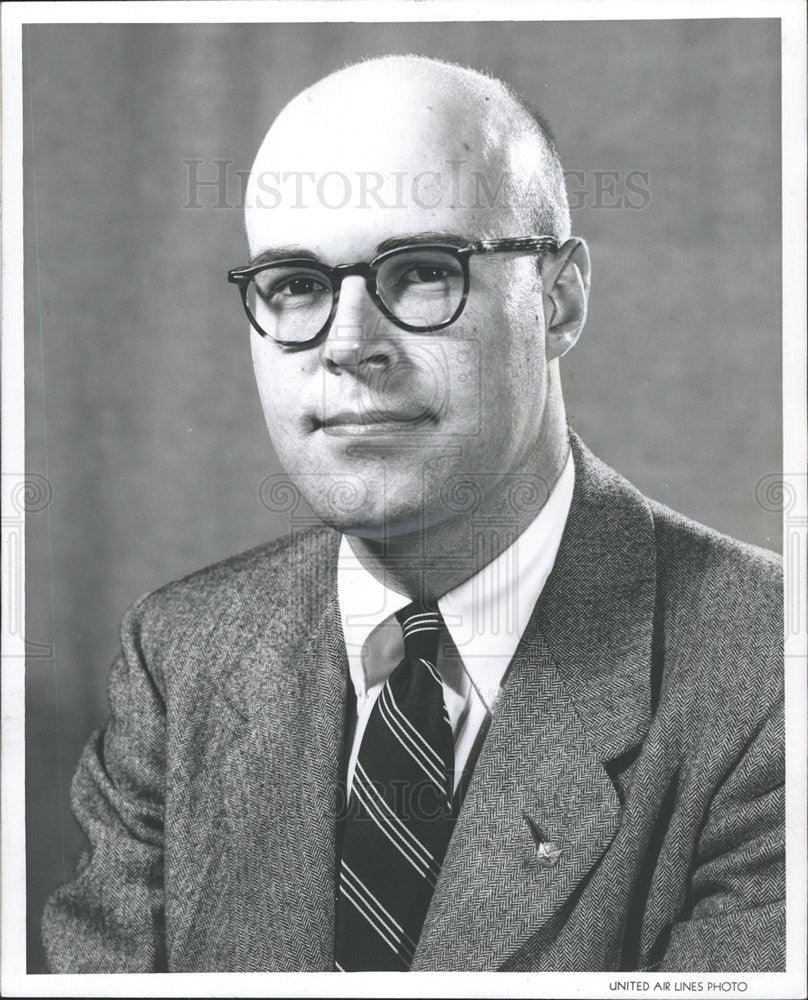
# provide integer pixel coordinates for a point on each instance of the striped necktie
(400, 813)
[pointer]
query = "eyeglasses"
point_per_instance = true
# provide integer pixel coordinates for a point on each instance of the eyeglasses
(420, 287)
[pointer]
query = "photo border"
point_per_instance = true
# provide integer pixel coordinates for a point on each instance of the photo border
(14, 980)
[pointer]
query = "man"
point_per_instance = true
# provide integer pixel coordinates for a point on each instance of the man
(503, 712)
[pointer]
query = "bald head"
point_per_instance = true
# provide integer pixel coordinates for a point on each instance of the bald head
(399, 129)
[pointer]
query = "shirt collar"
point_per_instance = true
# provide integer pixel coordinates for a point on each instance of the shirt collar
(485, 615)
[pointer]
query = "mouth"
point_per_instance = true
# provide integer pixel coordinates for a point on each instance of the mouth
(355, 423)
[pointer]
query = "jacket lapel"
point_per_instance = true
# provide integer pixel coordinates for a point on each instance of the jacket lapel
(283, 783)
(541, 808)
(309, 913)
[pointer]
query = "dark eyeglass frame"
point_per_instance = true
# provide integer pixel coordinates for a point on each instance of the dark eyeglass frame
(242, 276)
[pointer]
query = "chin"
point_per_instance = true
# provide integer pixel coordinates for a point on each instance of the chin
(381, 532)
(357, 503)
(371, 528)
(389, 526)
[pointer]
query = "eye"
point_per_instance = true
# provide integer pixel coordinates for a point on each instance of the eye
(284, 288)
(299, 285)
(424, 274)
(411, 278)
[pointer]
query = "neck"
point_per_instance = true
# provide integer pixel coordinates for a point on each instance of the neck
(427, 563)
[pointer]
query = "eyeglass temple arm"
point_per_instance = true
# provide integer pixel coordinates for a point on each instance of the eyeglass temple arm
(525, 243)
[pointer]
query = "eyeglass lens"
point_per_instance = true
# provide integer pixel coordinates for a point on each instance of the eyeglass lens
(420, 287)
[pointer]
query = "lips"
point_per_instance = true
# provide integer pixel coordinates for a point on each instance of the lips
(373, 421)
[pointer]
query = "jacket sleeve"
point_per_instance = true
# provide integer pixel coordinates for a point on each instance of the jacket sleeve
(110, 918)
(737, 919)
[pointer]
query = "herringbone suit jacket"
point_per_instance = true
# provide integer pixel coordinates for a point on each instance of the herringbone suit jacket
(639, 732)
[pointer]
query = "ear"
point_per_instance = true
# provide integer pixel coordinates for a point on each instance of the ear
(565, 277)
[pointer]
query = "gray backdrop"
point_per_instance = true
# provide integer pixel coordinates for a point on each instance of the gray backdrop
(138, 362)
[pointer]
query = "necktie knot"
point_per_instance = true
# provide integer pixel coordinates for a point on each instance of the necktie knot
(420, 626)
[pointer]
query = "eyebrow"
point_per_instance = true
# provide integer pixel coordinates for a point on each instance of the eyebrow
(271, 254)
(417, 238)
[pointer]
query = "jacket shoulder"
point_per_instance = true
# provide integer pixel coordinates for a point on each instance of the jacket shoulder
(705, 566)
(286, 562)
(278, 589)
(720, 602)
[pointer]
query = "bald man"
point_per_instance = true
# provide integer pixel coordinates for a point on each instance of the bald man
(501, 712)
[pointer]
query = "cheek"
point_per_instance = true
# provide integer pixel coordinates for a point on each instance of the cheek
(278, 377)
(523, 351)
(510, 360)
(512, 388)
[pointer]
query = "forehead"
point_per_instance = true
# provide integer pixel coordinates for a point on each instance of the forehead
(339, 175)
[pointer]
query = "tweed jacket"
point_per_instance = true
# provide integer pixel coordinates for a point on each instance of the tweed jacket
(625, 811)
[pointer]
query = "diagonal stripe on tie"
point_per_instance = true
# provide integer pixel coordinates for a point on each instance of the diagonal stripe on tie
(394, 829)
(428, 755)
(400, 818)
(410, 739)
(404, 942)
(427, 631)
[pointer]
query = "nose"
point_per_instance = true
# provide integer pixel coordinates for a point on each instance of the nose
(361, 338)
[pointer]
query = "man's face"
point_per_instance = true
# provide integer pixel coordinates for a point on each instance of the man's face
(382, 428)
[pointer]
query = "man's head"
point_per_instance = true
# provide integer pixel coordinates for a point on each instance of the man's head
(384, 428)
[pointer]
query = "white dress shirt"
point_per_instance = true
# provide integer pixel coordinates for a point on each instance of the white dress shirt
(484, 616)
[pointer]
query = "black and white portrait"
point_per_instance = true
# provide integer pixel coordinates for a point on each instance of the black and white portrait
(400, 522)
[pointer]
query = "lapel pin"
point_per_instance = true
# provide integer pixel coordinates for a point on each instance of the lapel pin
(547, 851)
